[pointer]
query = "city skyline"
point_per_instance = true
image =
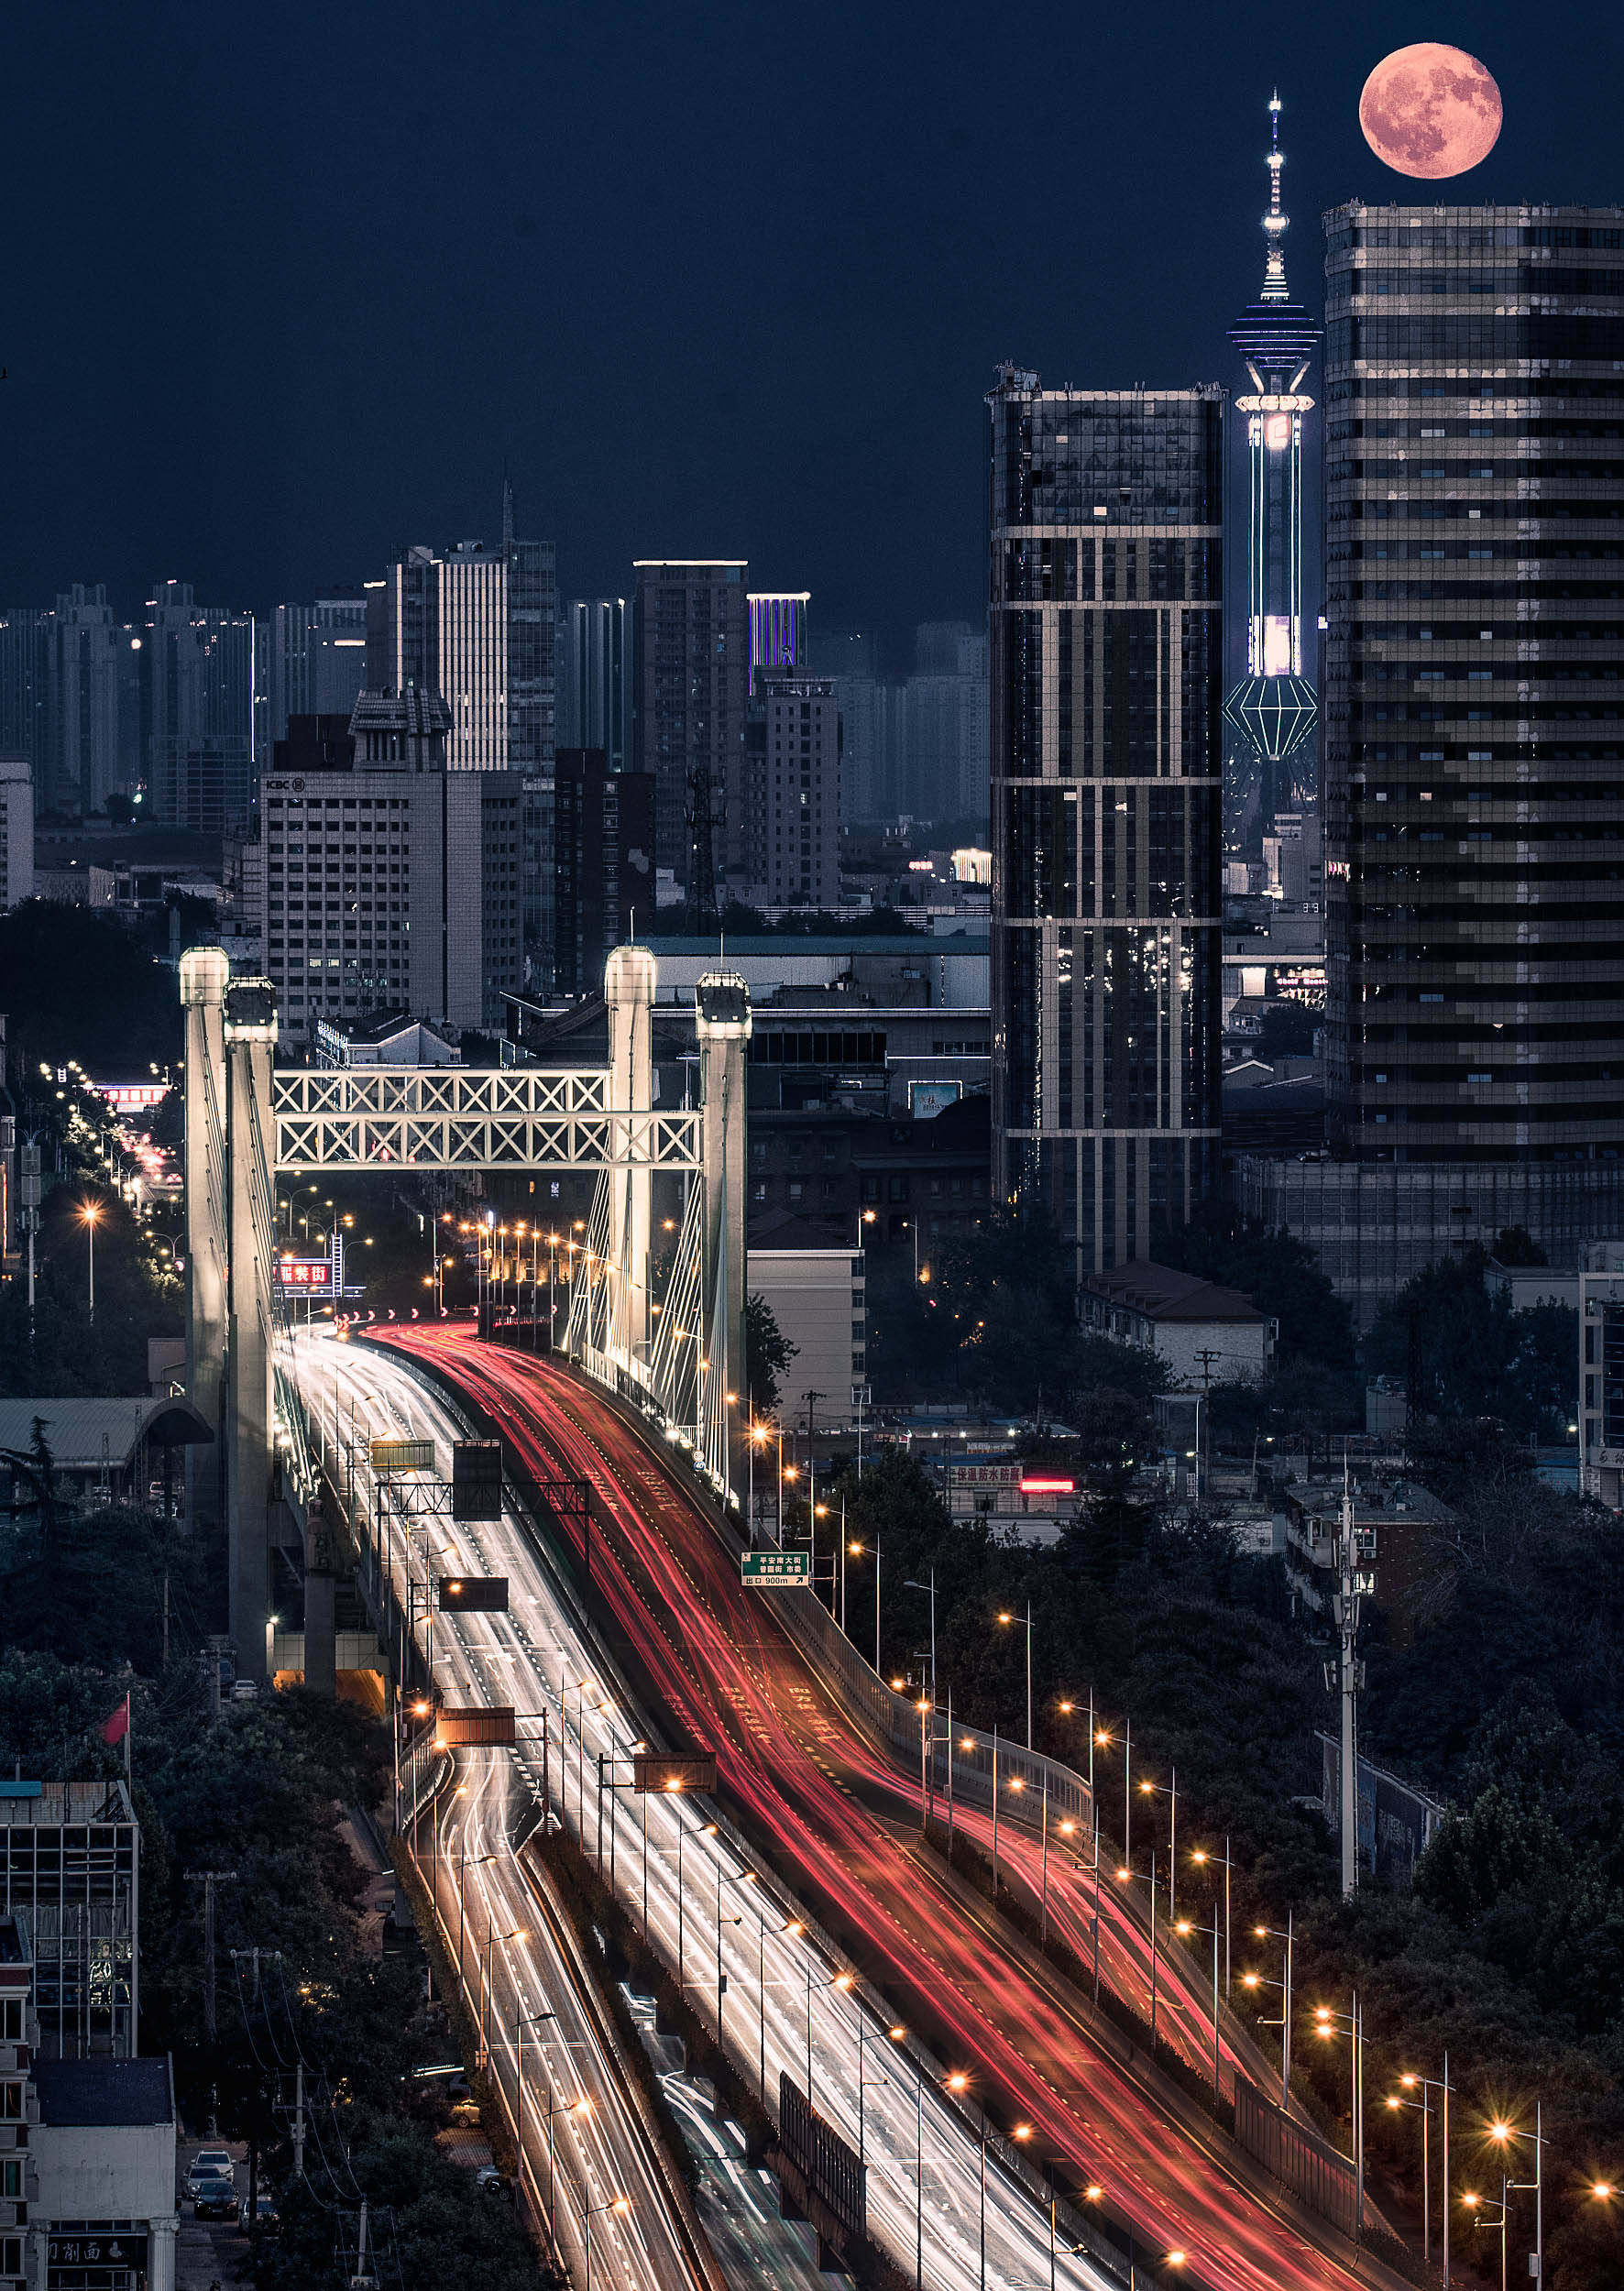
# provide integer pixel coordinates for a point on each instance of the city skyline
(355, 422)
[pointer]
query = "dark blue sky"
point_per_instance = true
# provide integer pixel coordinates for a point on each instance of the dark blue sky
(285, 285)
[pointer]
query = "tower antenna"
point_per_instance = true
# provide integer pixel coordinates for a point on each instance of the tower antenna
(1276, 221)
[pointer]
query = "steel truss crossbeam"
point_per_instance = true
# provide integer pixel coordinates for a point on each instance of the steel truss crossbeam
(440, 1118)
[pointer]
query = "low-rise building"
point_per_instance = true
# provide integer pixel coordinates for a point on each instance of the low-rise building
(101, 1451)
(1400, 1531)
(1206, 1333)
(817, 1297)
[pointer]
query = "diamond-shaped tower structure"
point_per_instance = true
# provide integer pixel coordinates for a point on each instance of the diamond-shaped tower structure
(1273, 707)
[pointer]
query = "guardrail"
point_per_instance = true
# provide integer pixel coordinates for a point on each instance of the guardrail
(965, 1754)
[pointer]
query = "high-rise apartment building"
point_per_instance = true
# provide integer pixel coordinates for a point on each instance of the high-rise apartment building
(70, 1868)
(1474, 739)
(603, 864)
(690, 645)
(318, 660)
(1106, 585)
(594, 682)
(95, 734)
(945, 727)
(25, 693)
(477, 625)
(17, 831)
(199, 685)
(791, 791)
(387, 882)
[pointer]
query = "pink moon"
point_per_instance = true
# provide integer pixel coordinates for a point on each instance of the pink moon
(1431, 111)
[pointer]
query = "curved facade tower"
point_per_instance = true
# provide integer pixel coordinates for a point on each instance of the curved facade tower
(1273, 706)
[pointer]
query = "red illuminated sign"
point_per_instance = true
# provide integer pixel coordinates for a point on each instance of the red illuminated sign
(304, 1272)
(1048, 1488)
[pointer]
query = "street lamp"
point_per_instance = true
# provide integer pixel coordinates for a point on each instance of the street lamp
(89, 1213)
(1130, 1876)
(1504, 2133)
(1171, 1792)
(909, 1584)
(1326, 2024)
(618, 2205)
(518, 1933)
(1472, 2203)
(1255, 1980)
(1200, 1857)
(1184, 1926)
(1026, 1623)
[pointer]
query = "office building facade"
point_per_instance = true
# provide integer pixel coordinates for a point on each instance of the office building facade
(1475, 731)
(690, 642)
(389, 883)
(70, 1867)
(594, 685)
(477, 625)
(603, 864)
(1105, 628)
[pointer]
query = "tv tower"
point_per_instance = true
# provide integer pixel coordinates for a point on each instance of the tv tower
(1273, 707)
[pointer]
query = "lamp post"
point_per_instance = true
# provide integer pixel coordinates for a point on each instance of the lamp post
(910, 1583)
(1504, 2133)
(88, 1215)
(522, 2020)
(1171, 1792)
(1200, 1857)
(1184, 1926)
(618, 2205)
(1026, 1623)
(1396, 2100)
(958, 2082)
(1128, 1876)
(1326, 2024)
(1254, 1980)
(518, 1933)
(1473, 2204)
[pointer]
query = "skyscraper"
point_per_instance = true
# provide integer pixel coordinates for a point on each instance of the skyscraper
(603, 862)
(791, 791)
(594, 682)
(95, 734)
(1272, 708)
(1474, 738)
(690, 672)
(200, 688)
(1106, 582)
(477, 625)
(24, 694)
(318, 660)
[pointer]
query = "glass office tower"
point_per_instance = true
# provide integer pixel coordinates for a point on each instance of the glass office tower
(1105, 627)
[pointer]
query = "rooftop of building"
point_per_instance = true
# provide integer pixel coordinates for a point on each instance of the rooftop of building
(104, 2094)
(1161, 1293)
(32, 1805)
(792, 943)
(81, 1435)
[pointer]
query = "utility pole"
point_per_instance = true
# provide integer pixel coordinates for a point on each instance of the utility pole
(1351, 1584)
(363, 2279)
(1203, 1445)
(299, 2119)
(209, 1879)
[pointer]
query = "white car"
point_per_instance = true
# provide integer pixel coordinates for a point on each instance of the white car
(209, 2164)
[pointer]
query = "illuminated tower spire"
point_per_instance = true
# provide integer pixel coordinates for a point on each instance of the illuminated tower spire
(1273, 706)
(1275, 221)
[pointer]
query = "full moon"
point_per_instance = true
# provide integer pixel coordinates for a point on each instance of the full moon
(1431, 110)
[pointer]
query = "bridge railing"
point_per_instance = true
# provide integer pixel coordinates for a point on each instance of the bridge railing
(969, 1753)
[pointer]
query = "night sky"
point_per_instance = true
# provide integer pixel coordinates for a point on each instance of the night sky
(286, 285)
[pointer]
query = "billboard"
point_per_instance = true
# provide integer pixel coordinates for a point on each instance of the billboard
(673, 1770)
(489, 1728)
(401, 1455)
(477, 1479)
(473, 1595)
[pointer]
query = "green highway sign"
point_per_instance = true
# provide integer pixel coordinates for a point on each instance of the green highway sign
(766, 1570)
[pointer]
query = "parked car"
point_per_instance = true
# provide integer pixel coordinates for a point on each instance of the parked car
(214, 2200)
(264, 2217)
(210, 2163)
(490, 2181)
